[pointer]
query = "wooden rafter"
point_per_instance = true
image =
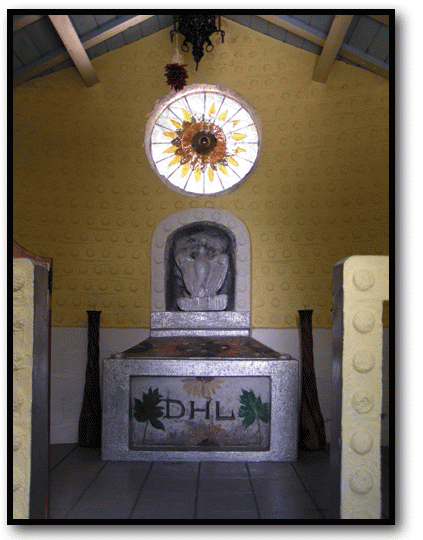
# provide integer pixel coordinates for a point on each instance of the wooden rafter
(94, 38)
(119, 25)
(366, 61)
(313, 35)
(331, 47)
(25, 20)
(76, 51)
(297, 28)
(384, 19)
(106, 33)
(44, 63)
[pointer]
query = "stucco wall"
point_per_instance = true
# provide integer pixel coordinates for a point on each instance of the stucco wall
(85, 195)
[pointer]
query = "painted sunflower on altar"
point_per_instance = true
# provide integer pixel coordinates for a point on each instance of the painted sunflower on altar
(202, 386)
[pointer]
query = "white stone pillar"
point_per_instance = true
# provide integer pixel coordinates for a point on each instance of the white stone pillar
(23, 322)
(360, 286)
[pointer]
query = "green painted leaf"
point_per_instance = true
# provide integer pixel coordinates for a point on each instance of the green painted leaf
(252, 409)
(148, 409)
(157, 424)
(140, 412)
(264, 413)
(248, 417)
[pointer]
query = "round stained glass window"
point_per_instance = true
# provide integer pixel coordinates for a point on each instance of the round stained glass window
(203, 140)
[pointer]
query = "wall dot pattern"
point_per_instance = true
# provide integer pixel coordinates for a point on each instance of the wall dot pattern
(362, 441)
(364, 360)
(361, 481)
(88, 198)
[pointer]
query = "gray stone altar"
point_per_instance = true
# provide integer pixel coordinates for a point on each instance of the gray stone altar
(200, 388)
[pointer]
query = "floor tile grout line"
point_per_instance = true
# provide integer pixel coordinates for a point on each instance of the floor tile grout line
(140, 491)
(253, 492)
(308, 492)
(197, 488)
(84, 491)
(63, 458)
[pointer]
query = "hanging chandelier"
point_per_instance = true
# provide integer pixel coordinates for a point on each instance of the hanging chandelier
(196, 30)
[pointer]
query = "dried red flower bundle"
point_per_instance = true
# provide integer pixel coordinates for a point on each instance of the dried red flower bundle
(176, 75)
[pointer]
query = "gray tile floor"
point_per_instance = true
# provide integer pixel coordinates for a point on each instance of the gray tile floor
(84, 487)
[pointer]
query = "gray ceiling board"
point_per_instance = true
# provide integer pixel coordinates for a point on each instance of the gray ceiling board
(312, 47)
(97, 50)
(134, 33)
(315, 31)
(351, 27)
(38, 42)
(363, 34)
(347, 61)
(39, 61)
(115, 42)
(44, 35)
(110, 25)
(150, 26)
(63, 65)
(46, 72)
(276, 32)
(380, 46)
(245, 20)
(303, 18)
(83, 23)
(23, 47)
(259, 25)
(294, 40)
(322, 22)
(165, 21)
(365, 56)
(103, 19)
(16, 62)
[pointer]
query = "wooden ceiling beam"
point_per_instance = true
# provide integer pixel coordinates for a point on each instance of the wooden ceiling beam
(25, 20)
(319, 38)
(366, 61)
(384, 19)
(76, 51)
(93, 38)
(111, 29)
(122, 23)
(332, 47)
(296, 27)
(38, 67)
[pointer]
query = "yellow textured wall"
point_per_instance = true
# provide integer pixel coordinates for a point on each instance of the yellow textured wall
(23, 329)
(86, 196)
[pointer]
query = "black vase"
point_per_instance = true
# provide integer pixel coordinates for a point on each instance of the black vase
(89, 432)
(312, 434)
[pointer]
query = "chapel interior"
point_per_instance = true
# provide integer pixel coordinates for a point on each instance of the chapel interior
(86, 198)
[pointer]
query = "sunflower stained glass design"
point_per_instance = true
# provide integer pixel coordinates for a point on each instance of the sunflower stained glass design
(203, 141)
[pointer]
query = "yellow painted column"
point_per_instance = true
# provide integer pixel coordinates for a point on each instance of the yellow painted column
(23, 322)
(360, 286)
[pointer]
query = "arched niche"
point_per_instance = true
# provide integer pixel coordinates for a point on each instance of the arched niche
(166, 284)
(216, 235)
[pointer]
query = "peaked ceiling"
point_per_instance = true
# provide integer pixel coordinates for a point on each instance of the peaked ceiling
(46, 43)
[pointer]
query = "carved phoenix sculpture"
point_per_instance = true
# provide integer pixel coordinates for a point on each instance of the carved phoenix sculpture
(204, 268)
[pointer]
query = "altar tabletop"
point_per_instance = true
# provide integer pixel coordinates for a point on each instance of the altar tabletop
(200, 347)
